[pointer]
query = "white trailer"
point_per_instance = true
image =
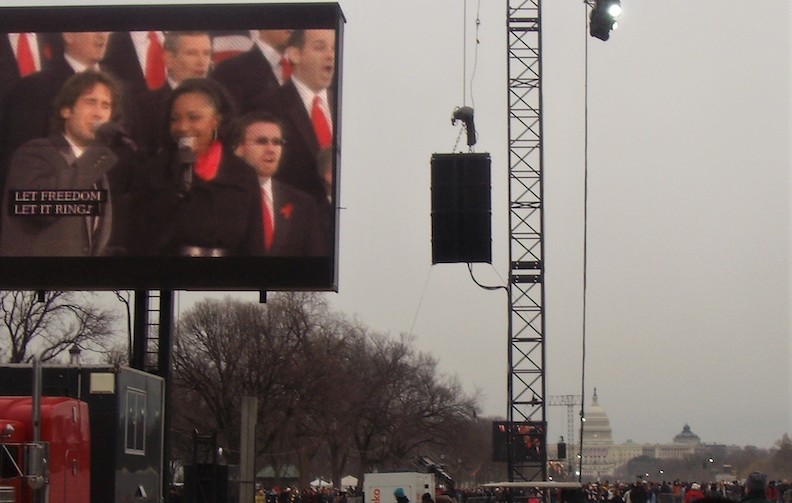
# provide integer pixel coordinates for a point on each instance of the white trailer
(379, 487)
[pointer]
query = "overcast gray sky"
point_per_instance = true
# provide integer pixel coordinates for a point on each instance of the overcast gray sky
(688, 266)
(688, 204)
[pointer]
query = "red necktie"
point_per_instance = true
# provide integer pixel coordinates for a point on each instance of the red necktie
(27, 64)
(155, 63)
(269, 227)
(321, 126)
(286, 69)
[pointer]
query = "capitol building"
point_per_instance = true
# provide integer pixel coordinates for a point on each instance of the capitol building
(602, 458)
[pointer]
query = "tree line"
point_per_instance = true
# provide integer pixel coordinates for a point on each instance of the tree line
(334, 397)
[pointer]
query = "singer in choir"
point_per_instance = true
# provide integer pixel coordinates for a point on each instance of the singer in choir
(196, 198)
(28, 112)
(304, 104)
(58, 200)
(292, 227)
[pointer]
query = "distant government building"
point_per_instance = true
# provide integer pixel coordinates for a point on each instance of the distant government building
(602, 458)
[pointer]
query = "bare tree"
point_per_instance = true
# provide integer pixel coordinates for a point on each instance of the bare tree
(403, 406)
(115, 356)
(331, 393)
(212, 353)
(381, 363)
(426, 410)
(469, 456)
(227, 349)
(49, 323)
(331, 381)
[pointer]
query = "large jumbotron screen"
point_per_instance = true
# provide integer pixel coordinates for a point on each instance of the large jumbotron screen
(527, 440)
(170, 146)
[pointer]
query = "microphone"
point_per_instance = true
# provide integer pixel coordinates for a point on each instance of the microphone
(113, 134)
(185, 159)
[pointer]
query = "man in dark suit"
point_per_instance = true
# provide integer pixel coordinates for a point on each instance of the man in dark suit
(254, 76)
(58, 200)
(14, 66)
(187, 55)
(137, 59)
(9, 69)
(29, 105)
(305, 105)
(41, 47)
(37, 47)
(292, 227)
(21, 55)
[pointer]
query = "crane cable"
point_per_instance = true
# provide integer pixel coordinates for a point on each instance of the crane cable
(473, 102)
(464, 63)
(585, 245)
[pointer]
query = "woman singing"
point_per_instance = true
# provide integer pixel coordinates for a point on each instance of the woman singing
(195, 197)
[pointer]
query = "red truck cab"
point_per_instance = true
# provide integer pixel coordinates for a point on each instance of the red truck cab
(66, 441)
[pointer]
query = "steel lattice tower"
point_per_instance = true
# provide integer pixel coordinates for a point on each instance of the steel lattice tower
(526, 322)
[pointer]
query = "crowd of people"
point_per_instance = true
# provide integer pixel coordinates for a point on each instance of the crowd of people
(755, 488)
(148, 144)
(686, 492)
(287, 494)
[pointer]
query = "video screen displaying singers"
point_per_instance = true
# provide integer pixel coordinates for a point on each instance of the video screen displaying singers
(169, 143)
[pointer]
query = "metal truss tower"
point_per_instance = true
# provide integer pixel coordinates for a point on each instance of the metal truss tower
(526, 322)
(570, 401)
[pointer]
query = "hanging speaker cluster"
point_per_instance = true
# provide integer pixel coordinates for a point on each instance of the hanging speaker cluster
(461, 208)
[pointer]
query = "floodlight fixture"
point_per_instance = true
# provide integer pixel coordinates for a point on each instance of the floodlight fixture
(614, 9)
(603, 18)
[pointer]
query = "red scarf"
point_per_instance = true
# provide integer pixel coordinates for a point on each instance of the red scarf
(206, 166)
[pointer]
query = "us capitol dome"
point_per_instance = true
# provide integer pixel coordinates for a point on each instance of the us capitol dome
(602, 458)
(597, 430)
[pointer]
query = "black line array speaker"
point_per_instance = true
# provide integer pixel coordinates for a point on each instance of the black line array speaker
(461, 208)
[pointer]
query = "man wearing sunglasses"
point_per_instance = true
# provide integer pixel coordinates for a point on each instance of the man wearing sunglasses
(291, 221)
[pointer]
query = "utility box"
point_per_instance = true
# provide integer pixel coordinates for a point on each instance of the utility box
(379, 487)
